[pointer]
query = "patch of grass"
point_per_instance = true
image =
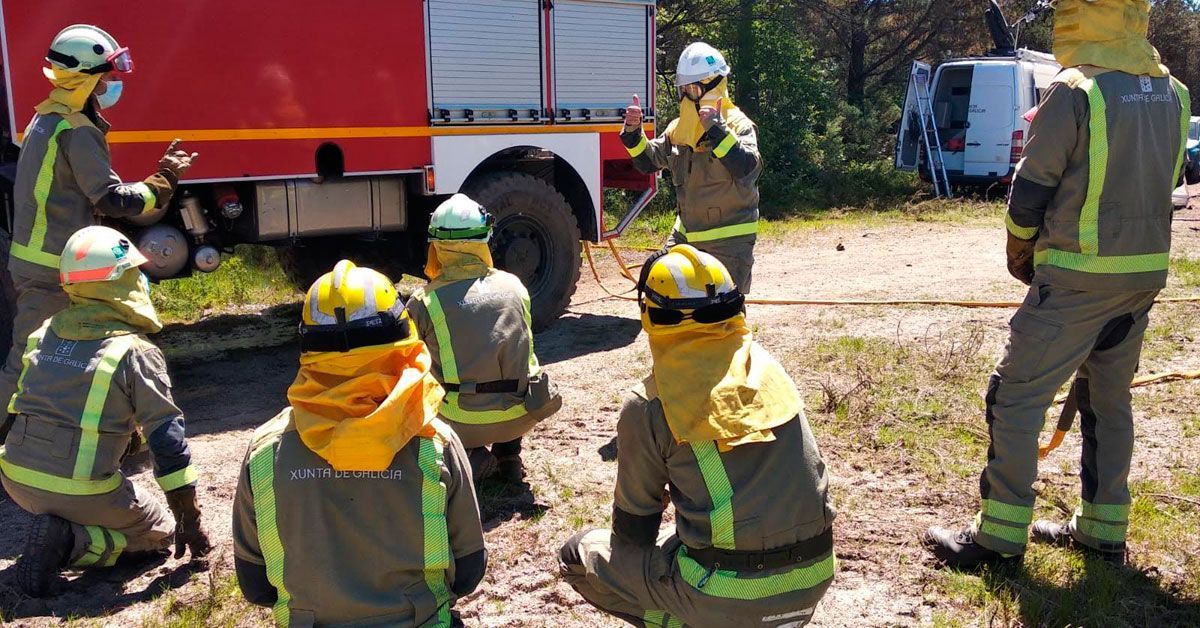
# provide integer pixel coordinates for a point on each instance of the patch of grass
(220, 604)
(251, 276)
(1186, 271)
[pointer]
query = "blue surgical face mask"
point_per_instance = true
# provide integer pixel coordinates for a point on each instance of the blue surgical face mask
(111, 95)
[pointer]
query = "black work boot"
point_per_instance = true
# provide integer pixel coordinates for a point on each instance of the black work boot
(46, 553)
(957, 548)
(508, 458)
(483, 464)
(1055, 533)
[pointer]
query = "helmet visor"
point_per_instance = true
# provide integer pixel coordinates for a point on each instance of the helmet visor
(121, 60)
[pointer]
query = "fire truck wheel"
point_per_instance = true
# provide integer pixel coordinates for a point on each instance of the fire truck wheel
(305, 264)
(536, 238)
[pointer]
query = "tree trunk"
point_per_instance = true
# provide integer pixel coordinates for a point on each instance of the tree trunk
(746, 71)
(856, 80)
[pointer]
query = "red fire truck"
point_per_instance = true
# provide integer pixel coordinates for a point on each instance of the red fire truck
(332, 129)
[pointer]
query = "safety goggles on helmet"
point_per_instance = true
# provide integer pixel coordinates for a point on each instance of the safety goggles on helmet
(712, 308)
(121, 60)
(381, 329)
(460, 218)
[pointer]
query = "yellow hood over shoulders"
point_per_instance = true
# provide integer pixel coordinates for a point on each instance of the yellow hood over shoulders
(686, 130)
(1106, 33)
(358, 408)
(71, 91)
(103, 309)
(451, 261)
(715, 383)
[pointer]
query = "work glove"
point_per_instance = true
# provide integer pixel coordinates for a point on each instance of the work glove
(176, 162)
(188, 531)
(710, 116)
(633, 114)
(1020, 258)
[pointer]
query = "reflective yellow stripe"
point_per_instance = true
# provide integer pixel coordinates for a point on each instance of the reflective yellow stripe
(1114, 264)
(640, 148)
(179, 478)
(96, 547)
(55, 484)
(118, 545)
(727, 584)
(32, 252)
(725, 146)
(718, 233)
(450, 407)
(262, 484)
(534, 367)
(94, 406)
(148, 197)
(435, 529)
(1089, 215)
(30, 347)
(1185, 112)
(1025, 233)
(1011, 513)
(720, 491)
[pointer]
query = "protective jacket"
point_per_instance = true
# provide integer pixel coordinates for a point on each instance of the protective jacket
(65, 177)
(479, 333)
(753, 498)
(1094, 185)
(716, 183)
(393, 547)
(77, 406)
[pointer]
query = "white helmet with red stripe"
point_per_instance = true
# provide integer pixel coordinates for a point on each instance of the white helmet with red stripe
(97, 254)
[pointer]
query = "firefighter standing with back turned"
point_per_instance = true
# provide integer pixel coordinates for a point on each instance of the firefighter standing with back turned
(64, 177)
(1089, 224)
(91, 382)
(711, 150)
(355, 504)
(720, 425)
(476, 321)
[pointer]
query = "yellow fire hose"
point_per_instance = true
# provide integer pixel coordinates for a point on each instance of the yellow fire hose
(1070, 407)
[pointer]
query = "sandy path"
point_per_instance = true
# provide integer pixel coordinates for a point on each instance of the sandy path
(595, 353)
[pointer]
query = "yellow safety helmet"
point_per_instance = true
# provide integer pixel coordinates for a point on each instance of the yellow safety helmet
(97, 254)
(351, 307)
(683, 283)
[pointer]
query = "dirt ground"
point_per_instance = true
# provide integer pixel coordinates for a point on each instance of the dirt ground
(228, 383)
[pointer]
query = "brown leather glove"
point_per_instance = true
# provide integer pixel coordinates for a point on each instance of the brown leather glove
(188, 531)
(176, 162)
(1020, 258)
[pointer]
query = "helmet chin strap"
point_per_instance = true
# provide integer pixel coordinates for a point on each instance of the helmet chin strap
(705, 87)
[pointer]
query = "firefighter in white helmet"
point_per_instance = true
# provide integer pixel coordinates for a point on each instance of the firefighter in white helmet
(712, 153)
(91, 382)
(65, 179)
(720, 428)
(476, 321)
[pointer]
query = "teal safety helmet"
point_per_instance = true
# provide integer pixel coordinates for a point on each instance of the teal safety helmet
(460, 219)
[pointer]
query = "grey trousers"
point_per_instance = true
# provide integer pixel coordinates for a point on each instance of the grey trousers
(1056, 333)
(36, 301)
(737, 254)
(127, 519)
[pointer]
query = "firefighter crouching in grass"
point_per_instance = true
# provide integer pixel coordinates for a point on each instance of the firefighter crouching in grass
(720, 425)
(1089, 224)
(355, 504)
(476, 321)
(64, 177)
(712, 153)
(91, 381)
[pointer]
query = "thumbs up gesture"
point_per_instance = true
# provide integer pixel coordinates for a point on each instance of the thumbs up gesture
(633, 114)
(711, 115)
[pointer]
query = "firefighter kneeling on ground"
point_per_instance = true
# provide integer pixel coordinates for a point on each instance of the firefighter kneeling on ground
(721, 425)
(65, 177)
(355, 504)
(1089, 224)
(711, 150)
(476, 321)
(91, 382)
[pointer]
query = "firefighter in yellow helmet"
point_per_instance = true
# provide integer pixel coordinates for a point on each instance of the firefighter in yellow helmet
(476, 321)
(65, 179)
(92, 381)
(720, 425)
(1089, 228)
(712, 153)
(355, 504)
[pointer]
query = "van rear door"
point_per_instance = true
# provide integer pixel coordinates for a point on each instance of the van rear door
(991, 120)
(908, 137)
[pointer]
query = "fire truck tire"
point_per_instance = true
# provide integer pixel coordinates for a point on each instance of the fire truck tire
(305, 264)
(536, 238)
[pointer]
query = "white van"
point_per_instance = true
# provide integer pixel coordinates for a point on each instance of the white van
(980, 105)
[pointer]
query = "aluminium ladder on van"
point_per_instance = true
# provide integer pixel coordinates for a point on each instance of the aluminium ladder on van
(930, 138)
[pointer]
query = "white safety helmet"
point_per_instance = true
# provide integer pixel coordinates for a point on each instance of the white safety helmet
(460, 218)
(700, 62)
(88, 49)
(97, 254)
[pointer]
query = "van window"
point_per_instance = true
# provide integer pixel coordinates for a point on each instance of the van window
(951, 105)
(1194, 130)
